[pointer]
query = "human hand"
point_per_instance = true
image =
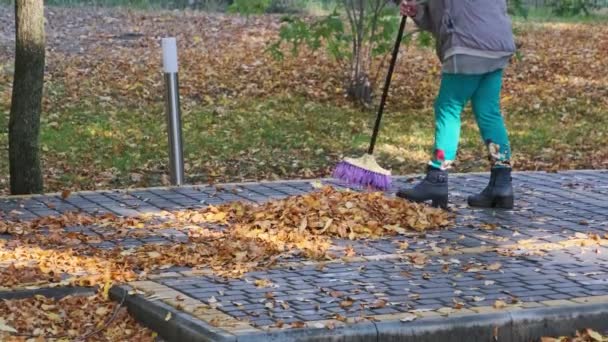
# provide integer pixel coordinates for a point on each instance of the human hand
(408, 8)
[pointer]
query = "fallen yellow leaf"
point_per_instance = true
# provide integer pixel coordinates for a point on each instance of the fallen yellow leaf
(499, 304)
(6, 327)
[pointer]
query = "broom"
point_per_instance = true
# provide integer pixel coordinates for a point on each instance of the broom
(365, 171)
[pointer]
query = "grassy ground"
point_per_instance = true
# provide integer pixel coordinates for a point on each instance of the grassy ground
(247, 117)
(282, 138)
(544, 14)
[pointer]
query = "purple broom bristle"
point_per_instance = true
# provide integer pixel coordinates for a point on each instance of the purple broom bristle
(352, 174)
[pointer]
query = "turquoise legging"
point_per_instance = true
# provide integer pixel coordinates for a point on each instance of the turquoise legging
(484, 93)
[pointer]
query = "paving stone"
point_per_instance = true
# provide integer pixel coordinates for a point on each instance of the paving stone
(563, 284)
(544, 200)
(436, 295)
(384, 311)
(537, 287)
(263, 322)
(104, 245)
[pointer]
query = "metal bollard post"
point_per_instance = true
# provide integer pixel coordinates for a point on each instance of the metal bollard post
(174, 123)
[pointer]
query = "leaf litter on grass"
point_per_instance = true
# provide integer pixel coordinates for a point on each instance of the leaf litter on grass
(71, 318)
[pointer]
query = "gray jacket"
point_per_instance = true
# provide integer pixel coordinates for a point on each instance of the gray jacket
(480, 28)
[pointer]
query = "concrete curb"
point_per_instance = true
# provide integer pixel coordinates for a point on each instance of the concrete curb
(179, 327)
(513, 325)
(508, 325)
(558, 321)
(360, 332)
(461, 328)
(51, 292)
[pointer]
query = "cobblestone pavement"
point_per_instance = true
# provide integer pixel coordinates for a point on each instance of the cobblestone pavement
(551, 250)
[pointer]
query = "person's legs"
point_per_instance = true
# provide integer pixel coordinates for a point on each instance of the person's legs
(455, 91)
(486, 106)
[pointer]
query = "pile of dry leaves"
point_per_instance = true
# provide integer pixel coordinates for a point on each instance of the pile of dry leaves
(586, 335)
(308, 222)
(253, 237)
(73, 318)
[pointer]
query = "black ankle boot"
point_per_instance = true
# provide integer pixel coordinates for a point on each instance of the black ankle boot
(434, 187)
(498, 193)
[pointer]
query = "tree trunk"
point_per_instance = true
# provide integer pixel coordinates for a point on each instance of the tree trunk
(360, 90)
(26, 104)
